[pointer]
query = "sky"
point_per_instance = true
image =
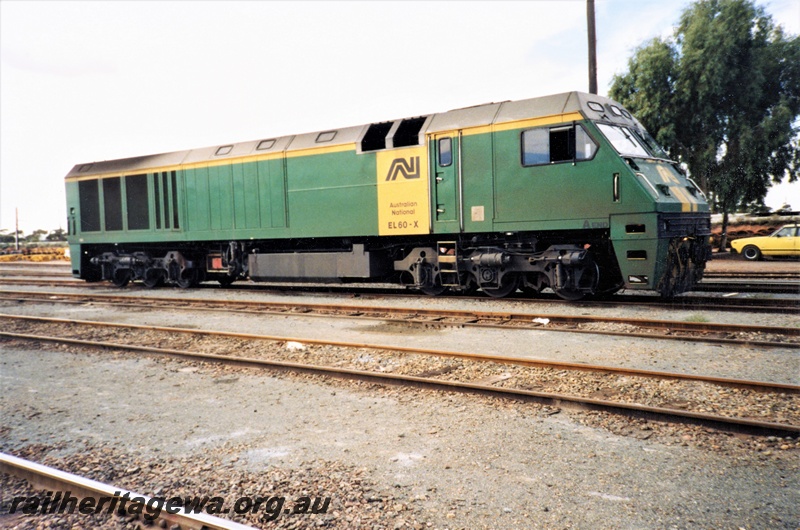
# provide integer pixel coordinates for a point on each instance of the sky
(99, 80)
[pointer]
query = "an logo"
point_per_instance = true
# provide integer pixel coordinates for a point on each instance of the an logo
(409, 169)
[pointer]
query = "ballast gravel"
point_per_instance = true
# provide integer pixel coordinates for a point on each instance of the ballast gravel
(388, 457)
(780, 365)
(391, 457)
(696, 396)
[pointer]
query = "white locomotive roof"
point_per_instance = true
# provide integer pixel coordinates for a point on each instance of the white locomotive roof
(464, 118)
(348, 135)
(479, 115)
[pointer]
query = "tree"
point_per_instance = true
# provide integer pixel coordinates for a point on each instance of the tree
(56, 235)
(5, 237)
(35, 236)
(723, 97)
(11, 237)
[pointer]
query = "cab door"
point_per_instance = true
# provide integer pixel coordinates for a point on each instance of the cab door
(445, 175)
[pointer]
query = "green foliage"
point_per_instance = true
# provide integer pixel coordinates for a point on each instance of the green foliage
(35, 236)
(56, 235)
(757, 208)
(722, 96)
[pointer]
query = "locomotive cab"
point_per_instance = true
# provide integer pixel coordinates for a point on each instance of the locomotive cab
(666, 249)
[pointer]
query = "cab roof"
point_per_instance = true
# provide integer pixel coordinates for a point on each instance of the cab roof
(383, 135)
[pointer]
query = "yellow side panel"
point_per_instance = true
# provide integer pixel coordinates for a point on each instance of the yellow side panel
(403, 198)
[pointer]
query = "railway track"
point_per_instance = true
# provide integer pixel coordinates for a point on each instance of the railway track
(778, 282)
(495, 374)
(36, 280)
(51, 479)
(748, 286)
(13, 273)
(783, 275)
(733, 334)
(25, 269)
(706, 303)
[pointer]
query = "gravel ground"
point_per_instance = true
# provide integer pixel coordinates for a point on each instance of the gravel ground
(730, 262)
(767, 364)
(721, 263)
(251, 291)
(392, 457)
(388, 457)
(690, 395)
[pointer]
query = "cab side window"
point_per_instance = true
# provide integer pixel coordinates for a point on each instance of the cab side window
(550, 145)
(445, 152)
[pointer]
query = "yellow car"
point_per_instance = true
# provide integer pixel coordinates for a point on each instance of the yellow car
(784, 242)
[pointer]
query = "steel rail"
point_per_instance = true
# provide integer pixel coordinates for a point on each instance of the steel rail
(49, 478)
(72, 282)
(705, 303)
(785, 275)
(708, 303)
(463, 317)
(480, 357)
(13, 273)
(785, 269)
(752, 286)
(582, 403)
(27, 263)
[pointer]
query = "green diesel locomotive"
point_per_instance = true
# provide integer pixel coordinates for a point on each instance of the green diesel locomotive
(567, 192)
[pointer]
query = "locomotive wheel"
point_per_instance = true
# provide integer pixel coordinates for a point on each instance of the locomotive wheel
(188, 278)
(751, 253)
(225, 281)
(610, 278)
(605, 292)
(121, 277)
(587, 282)
(569, 294)
(508, 285)
(153, 279)
(436, 289)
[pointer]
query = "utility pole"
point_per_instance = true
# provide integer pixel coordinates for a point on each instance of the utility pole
(592, 47)
(16, 229)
